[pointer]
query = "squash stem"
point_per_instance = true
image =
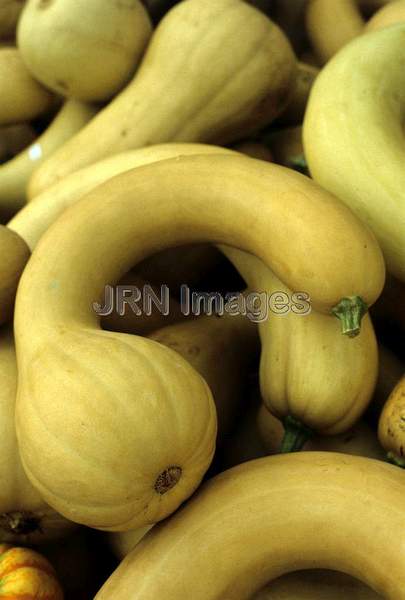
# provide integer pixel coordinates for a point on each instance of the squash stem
(295, 435)
(395, 460)
(350, 312)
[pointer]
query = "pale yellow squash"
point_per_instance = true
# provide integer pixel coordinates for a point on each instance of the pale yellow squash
(354, 139)
(24, 516)
(308, 371)
(271, 516)
(15, 174)
(22, 97)
(83, 49)
(114, 382)
(213, 72)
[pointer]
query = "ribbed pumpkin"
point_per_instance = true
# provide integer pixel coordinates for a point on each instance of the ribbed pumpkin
(26, 575)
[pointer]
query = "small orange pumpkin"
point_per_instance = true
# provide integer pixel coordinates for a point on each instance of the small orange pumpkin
(25, 574)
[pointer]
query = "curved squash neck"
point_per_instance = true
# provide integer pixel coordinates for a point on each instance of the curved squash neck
(300, 231)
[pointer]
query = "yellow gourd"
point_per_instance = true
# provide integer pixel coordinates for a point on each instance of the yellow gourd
(83, 49)
(213, 72)
(24, 516)
(353, 135)
(310, 376)
(392, 13)
(65, 360)
(22, 98)
(269, 517)
(15, 174)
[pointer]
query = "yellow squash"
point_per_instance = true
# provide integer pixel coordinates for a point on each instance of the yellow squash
(213, 72)
(272, 516)
(83, 49)
(310, 376)
(392, 13)
(22, 98)
(24, 516)
(15, 174)
(353, 135)
(113, 382)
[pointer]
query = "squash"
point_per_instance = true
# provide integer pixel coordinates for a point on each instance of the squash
(347, 149)
(24, 517)
(26, 574)
(332, 25)
(22, 97)
(174, 98)
(388, 15)
(15, 174)
(316, 585)
(15, 253)
(33, 220)
(9, 14)
(360, 440)
(65, 359)
(272, 516)
(310, 377)
(221, 349)
(83, 49)
(391, 429)
(146, 322)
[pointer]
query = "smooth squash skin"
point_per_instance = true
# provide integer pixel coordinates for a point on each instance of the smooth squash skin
(15, 254)
(15, 174)
(24, 516)
(83, 49)
(391, 428)
(22, 97)
(332, 25)
(268, 517)
(175, 98)
(113, 382)
(308, 372)
(388, 15)
(26, 574)
(316, 585)
(353, 135)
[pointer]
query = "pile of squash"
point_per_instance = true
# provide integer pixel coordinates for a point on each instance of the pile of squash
(246, 151)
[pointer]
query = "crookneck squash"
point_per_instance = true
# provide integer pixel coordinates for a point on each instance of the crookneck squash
(24, 516)
(91, 396)
(272, 516)
(213, 72)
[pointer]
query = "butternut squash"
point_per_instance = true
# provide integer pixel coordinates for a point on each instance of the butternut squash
(22, 97)
(316, 585)
(388, 15)
(391, 429)
(353, 135)
(310, 377)
(24, 516)
(15, 174)
(26, 574)
(83, 49)
(269, 517)
(65, 359)
(15, 253)
(183, 93)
